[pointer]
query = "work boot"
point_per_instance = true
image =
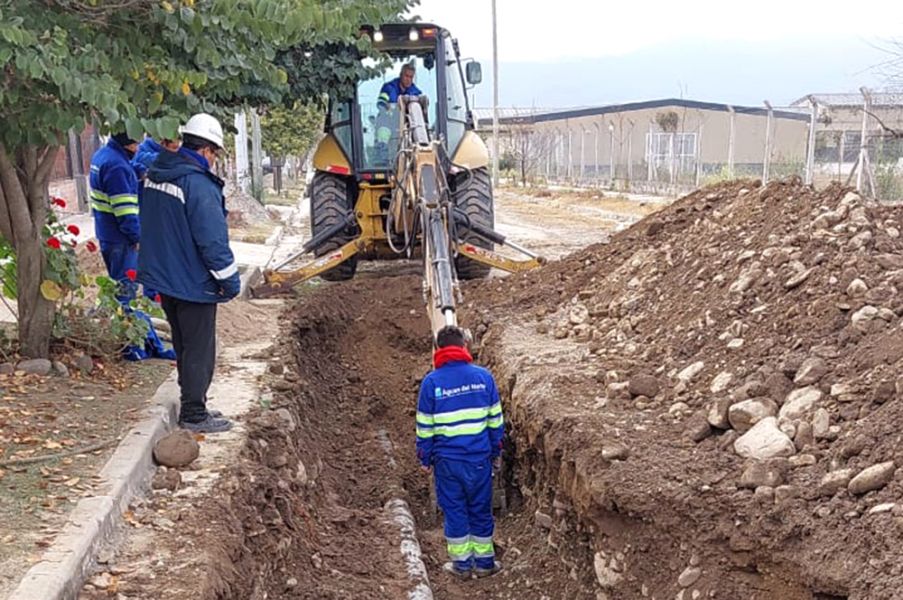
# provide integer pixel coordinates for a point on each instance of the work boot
(482, 572)
(452, 568)
(210, 424)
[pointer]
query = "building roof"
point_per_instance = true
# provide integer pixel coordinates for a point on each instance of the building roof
(524, 116)
(878, 99)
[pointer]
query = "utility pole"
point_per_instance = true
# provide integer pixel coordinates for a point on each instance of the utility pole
(768, 125)
(495, 99)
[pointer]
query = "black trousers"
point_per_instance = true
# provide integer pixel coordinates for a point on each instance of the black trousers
(194, 340)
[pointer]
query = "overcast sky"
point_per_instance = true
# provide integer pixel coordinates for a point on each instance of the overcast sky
(794, 39)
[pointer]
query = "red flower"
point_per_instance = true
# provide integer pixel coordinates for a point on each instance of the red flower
(73, 229)
(132, 274)
(158, 299)
(57, 201)
(53, 243)
(91, 246)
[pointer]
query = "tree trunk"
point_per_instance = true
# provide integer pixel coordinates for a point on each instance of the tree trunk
(23, 213)
(35, 311)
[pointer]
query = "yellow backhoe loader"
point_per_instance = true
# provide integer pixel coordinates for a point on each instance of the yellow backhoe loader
(407, 178)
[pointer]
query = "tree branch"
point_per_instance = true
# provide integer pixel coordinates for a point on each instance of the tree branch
(6, 227)
(16, 199)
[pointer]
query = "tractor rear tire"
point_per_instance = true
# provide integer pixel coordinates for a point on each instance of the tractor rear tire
(330, 203)
(476, 201)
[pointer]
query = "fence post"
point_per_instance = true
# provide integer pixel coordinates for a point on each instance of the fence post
(650, 168)
(769, 122)
(863, 139)
(841, 151)
(699, 155)
(582, 177)
(596, 169)
(671, 158)
(810, 150)
(630, 153)
(730, 144)
(611, 155)
(570, 169)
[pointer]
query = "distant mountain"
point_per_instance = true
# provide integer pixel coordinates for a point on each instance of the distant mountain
(730, 72)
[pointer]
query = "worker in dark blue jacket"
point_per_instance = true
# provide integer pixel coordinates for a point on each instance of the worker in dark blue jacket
(185, 255)
(459, 438)
(144, 158)
(114, 202)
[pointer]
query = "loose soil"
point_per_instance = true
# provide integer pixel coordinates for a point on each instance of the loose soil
(301, 514)
(745, 285)
(612, 363)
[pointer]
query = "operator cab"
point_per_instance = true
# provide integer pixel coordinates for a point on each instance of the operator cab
(367, 130)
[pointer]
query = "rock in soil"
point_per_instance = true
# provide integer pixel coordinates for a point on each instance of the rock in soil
(166, 479)
(644, 385)
(35, 366)
(873, 478)
(177, 449)
(765, 440)
(59, 369)
(84, 363)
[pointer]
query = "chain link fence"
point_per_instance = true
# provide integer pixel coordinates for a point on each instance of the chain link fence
(673, 146)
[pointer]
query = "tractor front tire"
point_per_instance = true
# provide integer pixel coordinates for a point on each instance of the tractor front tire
(330, 203)
(476, 201)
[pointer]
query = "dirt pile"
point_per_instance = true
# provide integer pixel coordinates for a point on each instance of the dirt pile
(719, 389)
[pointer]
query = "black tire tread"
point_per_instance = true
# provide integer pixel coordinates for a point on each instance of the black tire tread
(329, 203)
(477, 203)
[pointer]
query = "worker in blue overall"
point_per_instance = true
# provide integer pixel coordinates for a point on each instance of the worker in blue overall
(114, 202)
(459, 439)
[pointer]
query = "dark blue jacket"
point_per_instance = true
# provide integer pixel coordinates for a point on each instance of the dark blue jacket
(391, 90)
(185, 245)
(114, 196)
(459, 415)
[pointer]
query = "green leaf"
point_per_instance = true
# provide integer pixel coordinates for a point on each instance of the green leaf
(134, 128)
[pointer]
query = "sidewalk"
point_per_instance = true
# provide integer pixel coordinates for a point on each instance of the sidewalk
(70, 549)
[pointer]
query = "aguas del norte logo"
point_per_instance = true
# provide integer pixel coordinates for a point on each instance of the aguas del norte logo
(439, 392)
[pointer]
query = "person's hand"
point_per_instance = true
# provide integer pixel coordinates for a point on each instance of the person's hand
(426, 470)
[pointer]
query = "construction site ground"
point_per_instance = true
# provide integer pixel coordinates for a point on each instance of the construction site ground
(705, 406)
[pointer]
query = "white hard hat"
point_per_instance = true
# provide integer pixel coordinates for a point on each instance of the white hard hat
(205, 127)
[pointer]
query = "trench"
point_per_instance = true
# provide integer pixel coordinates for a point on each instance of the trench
(313, 504)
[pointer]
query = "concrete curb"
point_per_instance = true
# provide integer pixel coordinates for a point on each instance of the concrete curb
(62, 570)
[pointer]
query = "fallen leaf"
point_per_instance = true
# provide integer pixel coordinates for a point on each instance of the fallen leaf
(73, 481)
(51, 445)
